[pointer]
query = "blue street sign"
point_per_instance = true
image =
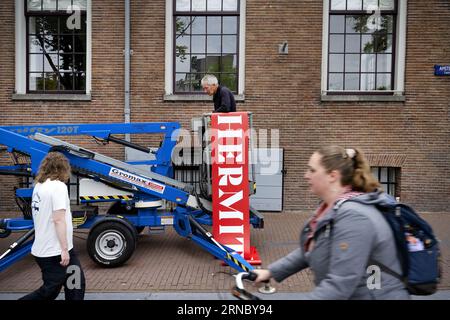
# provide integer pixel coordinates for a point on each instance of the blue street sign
(441, 70)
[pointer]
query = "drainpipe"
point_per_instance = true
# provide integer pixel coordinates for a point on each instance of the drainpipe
(127, 53)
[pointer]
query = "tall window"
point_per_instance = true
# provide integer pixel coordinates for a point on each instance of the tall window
(361, 45)
(206, 35)
(56, 46)
(388, 178)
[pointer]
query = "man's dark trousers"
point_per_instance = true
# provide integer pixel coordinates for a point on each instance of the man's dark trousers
(55, 277)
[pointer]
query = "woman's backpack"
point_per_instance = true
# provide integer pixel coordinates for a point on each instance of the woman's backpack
(417, 246)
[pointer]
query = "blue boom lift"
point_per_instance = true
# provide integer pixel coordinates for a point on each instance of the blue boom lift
(136, 193)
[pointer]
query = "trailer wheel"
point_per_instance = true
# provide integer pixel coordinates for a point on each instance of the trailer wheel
(110, 244)
(4, 233)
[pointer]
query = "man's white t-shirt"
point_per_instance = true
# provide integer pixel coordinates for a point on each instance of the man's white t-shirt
(47, 197)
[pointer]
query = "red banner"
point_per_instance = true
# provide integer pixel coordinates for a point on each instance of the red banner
(229, 142)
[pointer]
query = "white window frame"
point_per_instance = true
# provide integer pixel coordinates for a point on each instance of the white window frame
(21, 58)
(399, 73)
(169, 67)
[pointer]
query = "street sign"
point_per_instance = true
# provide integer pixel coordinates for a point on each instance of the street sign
(441, 70)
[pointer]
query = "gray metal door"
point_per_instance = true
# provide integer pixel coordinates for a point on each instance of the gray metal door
(269, 179)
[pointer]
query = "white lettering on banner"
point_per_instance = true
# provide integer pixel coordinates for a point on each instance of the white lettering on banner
(134, 179)
(229, 119)
(231, 229)
(229, 149)
(227, 174)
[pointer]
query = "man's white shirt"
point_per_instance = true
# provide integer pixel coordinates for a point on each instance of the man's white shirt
(47, 197)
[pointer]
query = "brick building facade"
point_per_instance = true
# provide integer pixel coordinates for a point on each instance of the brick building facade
(406, 127)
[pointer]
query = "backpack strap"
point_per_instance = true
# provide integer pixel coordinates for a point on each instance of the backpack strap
(383, 267)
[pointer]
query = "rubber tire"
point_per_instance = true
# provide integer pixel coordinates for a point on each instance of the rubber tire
(119, 229)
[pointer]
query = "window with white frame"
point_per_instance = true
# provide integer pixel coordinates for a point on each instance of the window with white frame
(363, 51)
(204, 37)
(56, 46)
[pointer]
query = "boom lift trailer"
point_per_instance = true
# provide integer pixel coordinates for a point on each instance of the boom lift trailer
(137, 198)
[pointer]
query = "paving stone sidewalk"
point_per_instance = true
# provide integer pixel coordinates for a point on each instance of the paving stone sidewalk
(169, 263)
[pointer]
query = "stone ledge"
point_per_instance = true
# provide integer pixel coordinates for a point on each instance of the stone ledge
(197, 97)
(51, 97)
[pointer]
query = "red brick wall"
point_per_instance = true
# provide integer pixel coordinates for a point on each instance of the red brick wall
(283, 92)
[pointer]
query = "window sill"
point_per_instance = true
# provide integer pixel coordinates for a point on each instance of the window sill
(197, 97)
(51, 97)
(362, 97)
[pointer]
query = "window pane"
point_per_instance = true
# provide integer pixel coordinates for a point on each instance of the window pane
(198, 25)
(51, 81)
(66, 43)
(383, 174)
(213, 44)
(181, 82)
(367, 81)
(182, 65)
(370, 4)
(384, 63)
(387, 24)
(229, 25)
(182, 45)
(43, 25)
(183, 5)
(368, 63)
(336, 81)
(336, 63)
(337, 43)
(229, 81)
(35, 44)
(79, 43)
(352, 63)
(213, 64)
(198, 5)
(387, 5)
(195, 82)
(198, 63)
(350, 24)
(36, 81)
(214, 5)
(337, 4)
(352, 43)
(198, 44)
(66, 81)
(352, 81)
(229, 63)
(214, 25)
(80, 81)
(230, 5)
(354, 4)
(63, 5)
(80, 3)
(392, 175)
(337, 24)
(51, 63)
(34, 5)
(80, 63)
(182, 25)
(36, 62)
(384, 81)
(49, 5)
(383, 43)
(367, 44)
(65, 62)
(229, 44)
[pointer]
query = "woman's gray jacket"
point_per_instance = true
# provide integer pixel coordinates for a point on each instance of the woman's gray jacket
(345, 239)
